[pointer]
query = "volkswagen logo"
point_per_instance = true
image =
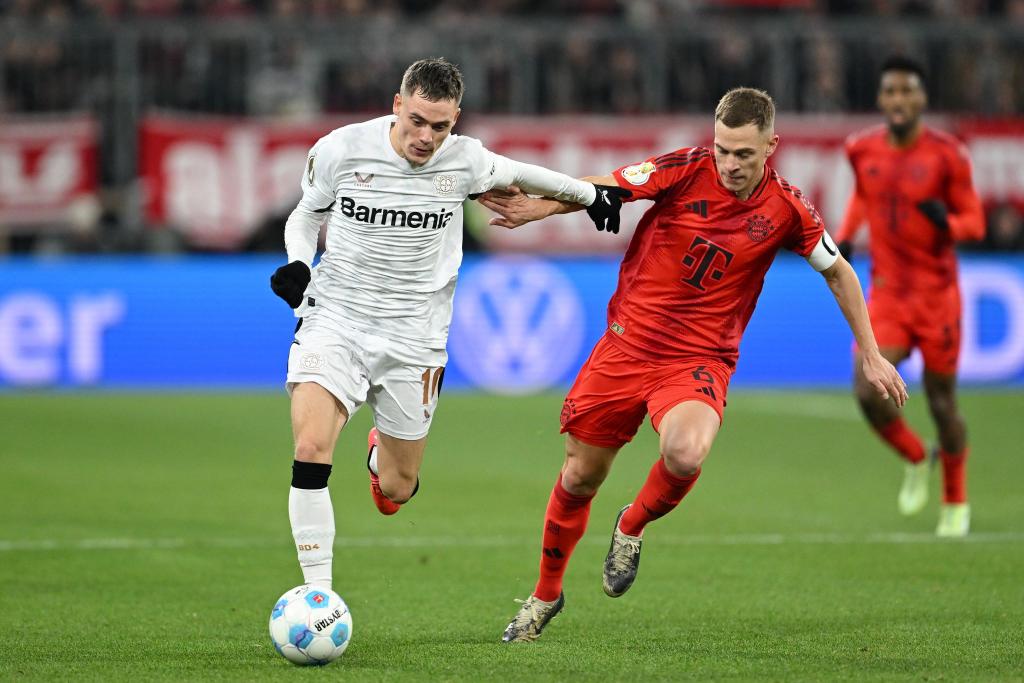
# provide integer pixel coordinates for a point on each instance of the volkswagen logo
(518, 325)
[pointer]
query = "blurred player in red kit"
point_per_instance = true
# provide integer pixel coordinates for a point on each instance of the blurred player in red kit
(914, 190)
(688, 284)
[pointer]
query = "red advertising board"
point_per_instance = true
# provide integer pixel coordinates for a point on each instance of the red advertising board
(215, 180)
(48, 169)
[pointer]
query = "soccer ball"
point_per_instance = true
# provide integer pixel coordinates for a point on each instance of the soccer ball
(310, 625)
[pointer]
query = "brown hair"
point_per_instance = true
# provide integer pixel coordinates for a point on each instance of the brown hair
(741, 106)
(434, 79)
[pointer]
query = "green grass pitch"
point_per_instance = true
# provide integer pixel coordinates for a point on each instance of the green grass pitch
(145, 537)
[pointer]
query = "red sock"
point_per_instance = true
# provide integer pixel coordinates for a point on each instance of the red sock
(564, 524)
(660, 494)
(954, 476)
(903, 440)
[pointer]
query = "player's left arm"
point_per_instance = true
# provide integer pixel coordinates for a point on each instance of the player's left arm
(845, 286)
(516, 208)
(960, 212)
(966, 216)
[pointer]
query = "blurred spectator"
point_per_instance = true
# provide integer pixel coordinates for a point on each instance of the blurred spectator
(1005, 229)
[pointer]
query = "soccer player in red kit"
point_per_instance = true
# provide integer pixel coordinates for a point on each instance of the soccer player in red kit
(913, 187)
(687, 287)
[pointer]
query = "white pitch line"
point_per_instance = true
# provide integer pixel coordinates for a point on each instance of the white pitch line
(895, 538)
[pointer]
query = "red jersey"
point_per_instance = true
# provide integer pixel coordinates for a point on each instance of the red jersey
(908, 252)
(696, 264)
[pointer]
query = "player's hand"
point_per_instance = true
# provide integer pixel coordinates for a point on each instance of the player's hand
(607, 204)
(514, 207)
(846, 250)
(289, 282)
(935, 211)
(884, 377)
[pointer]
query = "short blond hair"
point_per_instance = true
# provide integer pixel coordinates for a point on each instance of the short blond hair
(741, 106)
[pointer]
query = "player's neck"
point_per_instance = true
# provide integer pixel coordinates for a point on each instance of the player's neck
(905, 137)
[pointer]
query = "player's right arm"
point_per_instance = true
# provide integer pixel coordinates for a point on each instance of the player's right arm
(856, 210)
(853, 219)
(648, 179)
(302, 229)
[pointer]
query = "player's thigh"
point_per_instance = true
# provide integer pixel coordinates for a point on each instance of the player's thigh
(605, 406)
(687, 402)
(938, 330)
(328, 355)
(317, 418)
(405, 388)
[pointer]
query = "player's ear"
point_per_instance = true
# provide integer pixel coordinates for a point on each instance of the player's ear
(396, 106)
(456, 117)
(772, 144)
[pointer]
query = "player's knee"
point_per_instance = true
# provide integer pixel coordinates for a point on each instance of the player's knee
(312, 450)
(684, 454)
(580, 480)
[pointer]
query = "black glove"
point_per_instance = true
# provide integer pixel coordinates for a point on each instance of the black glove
(289, 282)
(935, 211)
(605, 209)
(846, 250)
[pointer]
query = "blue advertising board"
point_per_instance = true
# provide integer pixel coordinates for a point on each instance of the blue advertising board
(521, 324)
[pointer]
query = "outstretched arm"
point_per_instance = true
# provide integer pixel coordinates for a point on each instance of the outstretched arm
(845, 286)
(515, 208)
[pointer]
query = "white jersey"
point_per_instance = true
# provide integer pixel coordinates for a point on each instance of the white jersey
(394, 231)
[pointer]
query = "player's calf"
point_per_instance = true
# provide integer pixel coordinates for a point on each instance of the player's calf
(388, 503)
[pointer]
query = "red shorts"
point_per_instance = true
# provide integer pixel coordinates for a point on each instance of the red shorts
(930, 323)
(614, 391)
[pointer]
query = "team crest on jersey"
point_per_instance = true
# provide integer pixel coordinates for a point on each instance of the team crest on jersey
(639, 173)
(312, 361)
(445, 184)
(363, 179)
(759, 227)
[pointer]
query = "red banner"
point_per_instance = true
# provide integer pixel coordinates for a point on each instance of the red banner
(215, 180)
(48, 170)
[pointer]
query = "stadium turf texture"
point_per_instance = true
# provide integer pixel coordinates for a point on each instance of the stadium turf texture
(145, 537)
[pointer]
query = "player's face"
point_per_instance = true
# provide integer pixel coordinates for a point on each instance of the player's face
(902, 98)
(422, 126)
(740, 155)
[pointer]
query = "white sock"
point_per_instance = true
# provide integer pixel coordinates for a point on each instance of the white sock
(312, 517)
(373, 460)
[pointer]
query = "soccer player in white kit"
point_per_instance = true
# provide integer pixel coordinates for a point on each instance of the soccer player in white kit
(374, 313)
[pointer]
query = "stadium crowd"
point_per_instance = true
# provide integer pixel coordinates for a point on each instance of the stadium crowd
(618, 57)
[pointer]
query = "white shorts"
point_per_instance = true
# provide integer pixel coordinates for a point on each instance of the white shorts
(399, 381)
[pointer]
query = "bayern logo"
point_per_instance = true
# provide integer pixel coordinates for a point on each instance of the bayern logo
(759, 227)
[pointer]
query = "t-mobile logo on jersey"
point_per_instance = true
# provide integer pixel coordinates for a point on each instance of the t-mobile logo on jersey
(702, 254)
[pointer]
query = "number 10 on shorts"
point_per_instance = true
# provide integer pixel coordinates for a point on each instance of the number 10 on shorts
(433, 378)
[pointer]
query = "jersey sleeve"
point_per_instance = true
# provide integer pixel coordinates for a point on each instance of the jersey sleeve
(318, 178)
(808, 236)
(651, 178)
(966, 216)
